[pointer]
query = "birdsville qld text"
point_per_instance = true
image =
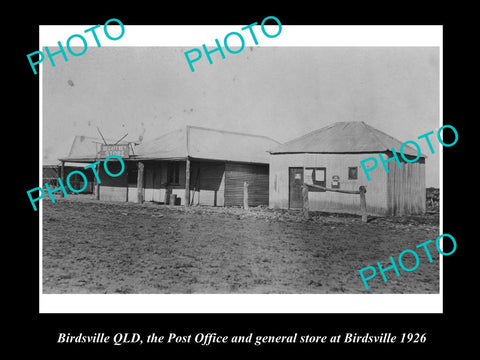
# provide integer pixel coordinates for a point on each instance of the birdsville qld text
(213, 338)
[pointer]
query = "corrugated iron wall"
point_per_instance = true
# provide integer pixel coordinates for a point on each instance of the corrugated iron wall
(257, 178)
(406, 188)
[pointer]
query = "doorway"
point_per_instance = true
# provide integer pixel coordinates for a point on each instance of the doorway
(295, 200)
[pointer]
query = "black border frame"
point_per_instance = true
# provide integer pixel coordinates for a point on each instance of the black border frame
(39, 331)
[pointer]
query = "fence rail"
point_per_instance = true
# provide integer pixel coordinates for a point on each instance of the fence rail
(361, 191)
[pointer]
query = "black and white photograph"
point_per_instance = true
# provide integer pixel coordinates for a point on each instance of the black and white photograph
(241, 182)
(210, 194)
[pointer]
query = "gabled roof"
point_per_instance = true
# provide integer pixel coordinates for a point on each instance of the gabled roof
(210, 144)
(344, 137)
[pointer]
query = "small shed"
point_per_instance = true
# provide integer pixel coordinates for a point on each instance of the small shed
(330, 157)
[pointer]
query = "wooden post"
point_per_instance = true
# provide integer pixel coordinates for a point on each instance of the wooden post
(168, 192)
(126, 192)
(97, 184)
(306, 213)
(195, 189)
(140, 182)
(363, 203)
(187, 182)
(245, 195)
(62, 176)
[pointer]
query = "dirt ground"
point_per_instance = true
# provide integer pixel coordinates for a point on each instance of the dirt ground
(99, 247)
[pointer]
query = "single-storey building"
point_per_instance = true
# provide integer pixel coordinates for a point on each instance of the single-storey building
(330, 157)
(199, 166)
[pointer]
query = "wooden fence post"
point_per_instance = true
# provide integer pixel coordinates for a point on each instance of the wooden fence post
(306, 213)
(363, 203)
(245, 195)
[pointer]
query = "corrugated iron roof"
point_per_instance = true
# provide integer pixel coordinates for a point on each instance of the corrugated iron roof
(86, 148)
(171, 145)
(344, 137)
(196, 142)
(205, 143)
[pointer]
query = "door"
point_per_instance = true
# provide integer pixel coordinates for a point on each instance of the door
(152, 181)
(149, 177)
(295, 188)
(132, 191)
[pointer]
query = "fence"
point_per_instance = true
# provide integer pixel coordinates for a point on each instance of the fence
(361, 191)
(306, 212)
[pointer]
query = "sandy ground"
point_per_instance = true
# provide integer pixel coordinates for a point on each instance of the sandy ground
(99, 247)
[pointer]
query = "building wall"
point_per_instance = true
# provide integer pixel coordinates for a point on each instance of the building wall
(207, 183)
(155, 186)
(212, 183)
(155, 182)
(335, 164)
(257, 177)
(113, 188)
(406, 188)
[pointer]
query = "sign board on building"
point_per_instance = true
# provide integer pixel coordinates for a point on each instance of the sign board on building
(121, 150)
(335, 182)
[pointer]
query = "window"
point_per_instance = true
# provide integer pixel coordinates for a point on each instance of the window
(315, 176)
(173, 173)
(353, 173)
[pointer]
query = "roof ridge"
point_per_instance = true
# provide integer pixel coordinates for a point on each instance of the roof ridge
(370, 130)
(165, 134)
(313, 132)
(229, 132)
(329, 139)
(390, 136)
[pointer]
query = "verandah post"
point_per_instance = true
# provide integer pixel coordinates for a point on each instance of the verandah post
(187, 182)
(140, 182)
(97, 184)
(62, 176)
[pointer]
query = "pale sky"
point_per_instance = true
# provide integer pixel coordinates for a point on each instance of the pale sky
(280, 92)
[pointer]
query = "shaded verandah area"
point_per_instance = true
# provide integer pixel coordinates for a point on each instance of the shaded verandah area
(188, 166)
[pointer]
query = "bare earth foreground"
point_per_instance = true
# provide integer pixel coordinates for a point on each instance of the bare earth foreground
(99, 247)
